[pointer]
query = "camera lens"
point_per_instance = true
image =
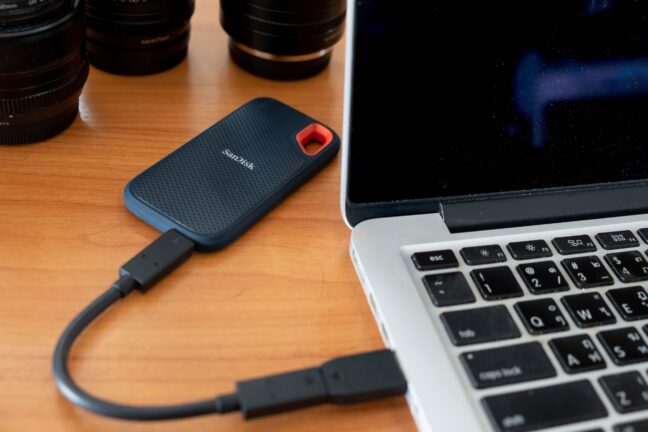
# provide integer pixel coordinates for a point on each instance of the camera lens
(138, 37)
(43, 67)
(283, 39)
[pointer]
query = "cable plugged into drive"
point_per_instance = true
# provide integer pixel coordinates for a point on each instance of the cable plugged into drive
(345, 380)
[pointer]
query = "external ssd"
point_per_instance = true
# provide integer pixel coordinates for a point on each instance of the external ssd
(221, 182)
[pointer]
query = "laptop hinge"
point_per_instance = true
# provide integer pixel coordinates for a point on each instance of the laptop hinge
(474, 215)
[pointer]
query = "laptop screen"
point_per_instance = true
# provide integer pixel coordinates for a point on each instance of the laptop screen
(455, 98)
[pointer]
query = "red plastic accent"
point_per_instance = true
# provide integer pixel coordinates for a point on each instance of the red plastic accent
(314, 132)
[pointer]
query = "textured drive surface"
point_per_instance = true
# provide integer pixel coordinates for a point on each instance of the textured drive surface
(202, 189)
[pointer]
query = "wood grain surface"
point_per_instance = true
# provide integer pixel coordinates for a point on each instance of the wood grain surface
(284, 296)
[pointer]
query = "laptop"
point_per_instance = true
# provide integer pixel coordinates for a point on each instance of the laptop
(495, 177)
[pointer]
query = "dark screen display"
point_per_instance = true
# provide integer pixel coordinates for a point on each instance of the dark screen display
(455, 98)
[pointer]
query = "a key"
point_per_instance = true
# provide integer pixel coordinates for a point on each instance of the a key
(471, 326)
(448, 289)
(544, 407)
(507, 365)
(631, 302)
(617, 240)
(625, 345)
(483, 255)
(496, 283)
(542, 277)
(587, 272)
(588, 309)
(435, 260)
(529, 250)
(627, 391)
(541, 316)
(577, 354)
(629, 266)
(574, 245)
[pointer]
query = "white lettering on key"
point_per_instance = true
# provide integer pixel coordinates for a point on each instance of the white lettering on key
(537, 322)
(467, 333)
(584, 314)
(572, 360)
(513, 421)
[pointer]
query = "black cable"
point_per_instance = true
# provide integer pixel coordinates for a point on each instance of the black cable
(83, 399)
(345, 380)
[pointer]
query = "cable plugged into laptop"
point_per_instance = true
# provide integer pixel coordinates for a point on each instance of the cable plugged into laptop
(345, 380)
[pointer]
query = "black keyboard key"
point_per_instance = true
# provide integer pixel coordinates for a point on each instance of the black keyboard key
(587, 272)
(544, 407)
(435, 260)
(574, 245)
(629, 266)
(496, 283)
(507, 365)
(625, 346)
(627, 391)
(542, 277)
(617, 240)
(588, 310)
(483, 255)
(529, 250)
(471, 326)
(541, 316)
(643, 233)
(633, 426)
(447, 289)
(631, 302)
(577, 354)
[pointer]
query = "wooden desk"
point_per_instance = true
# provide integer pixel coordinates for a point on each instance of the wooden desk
(284, 296)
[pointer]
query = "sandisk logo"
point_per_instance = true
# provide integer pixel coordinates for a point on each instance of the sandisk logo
(240, 159)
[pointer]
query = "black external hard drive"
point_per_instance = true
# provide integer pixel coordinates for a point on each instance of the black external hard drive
(221, 182)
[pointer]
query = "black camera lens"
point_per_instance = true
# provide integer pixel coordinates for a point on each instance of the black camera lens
(138, 37)
(283, 39)
(43, 67)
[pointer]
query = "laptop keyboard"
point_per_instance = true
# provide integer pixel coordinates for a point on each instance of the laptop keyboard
(566, 317)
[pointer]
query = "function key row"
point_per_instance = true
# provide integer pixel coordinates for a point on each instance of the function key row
(526, 250)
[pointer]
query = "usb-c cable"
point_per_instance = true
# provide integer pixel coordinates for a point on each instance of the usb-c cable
(345, 380)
